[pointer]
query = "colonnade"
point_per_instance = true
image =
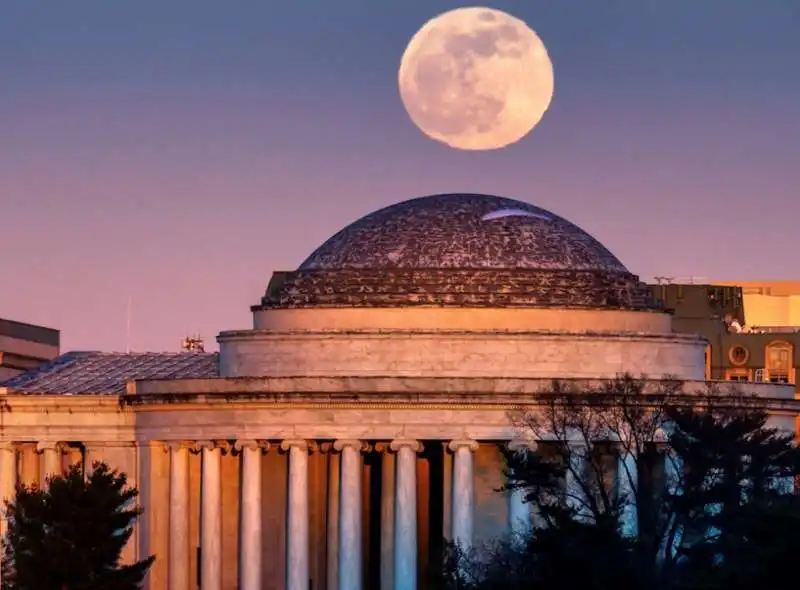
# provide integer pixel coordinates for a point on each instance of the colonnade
(31, 463)
(345, 571)
(345, 502)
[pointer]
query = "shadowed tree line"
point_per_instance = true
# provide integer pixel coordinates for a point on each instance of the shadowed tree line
(636, 485)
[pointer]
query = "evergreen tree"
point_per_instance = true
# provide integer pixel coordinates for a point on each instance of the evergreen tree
(736, 506)
(709, 485)
(69, 535)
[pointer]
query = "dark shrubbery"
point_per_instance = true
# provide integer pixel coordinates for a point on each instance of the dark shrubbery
(69, 534)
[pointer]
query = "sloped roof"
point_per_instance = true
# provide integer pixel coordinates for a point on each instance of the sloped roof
(87, 372)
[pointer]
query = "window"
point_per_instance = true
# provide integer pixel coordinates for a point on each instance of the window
(779, 360)
(708, 361)
(739, 355)
(738, 375)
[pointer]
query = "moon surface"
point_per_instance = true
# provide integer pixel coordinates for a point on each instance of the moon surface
(476, 79)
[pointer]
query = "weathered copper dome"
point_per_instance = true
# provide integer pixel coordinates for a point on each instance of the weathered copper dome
(462, 231)
(459, 250)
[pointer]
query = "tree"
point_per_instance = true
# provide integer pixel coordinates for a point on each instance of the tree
(671, 487)
(69, 535)
(569, 554)
(736, 507)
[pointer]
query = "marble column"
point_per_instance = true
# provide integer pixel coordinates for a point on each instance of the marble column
(574, 476)
(463, 491)
(673, 477)
(447, 489)
(297, 540)
(519, 514)
(350, 549)
(250, 528)
(627, 476)
(179, 563)
(519, 511)
(8, 473)
(387, 515)
(51, 462)
(332, 555)
(28, 463)
(405, 514)
(8, 481)
(211, 515)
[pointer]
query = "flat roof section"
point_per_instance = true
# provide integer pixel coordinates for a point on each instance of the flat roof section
(30, 332)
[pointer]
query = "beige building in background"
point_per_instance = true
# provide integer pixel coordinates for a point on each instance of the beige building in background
(359, 422)
(771, 304)
(24, 347)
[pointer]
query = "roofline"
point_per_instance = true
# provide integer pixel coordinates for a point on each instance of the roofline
(30, 332)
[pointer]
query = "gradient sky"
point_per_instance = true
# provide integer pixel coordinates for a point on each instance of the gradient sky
(178, 151)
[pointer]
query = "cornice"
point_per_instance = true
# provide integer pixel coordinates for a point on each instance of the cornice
(154, 403)
(447, 334)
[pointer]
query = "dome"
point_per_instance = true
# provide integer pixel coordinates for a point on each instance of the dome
(459, 251)
(462, 231)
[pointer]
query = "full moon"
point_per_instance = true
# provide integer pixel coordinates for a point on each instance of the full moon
(476, 79)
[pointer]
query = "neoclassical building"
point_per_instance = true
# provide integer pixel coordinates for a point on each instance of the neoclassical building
(358, 423)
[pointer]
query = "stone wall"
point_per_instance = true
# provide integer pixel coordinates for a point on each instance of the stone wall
(463, 288)
(460, 318)
(453, 354)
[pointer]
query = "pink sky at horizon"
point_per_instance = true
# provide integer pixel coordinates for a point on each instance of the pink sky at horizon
(179, 158)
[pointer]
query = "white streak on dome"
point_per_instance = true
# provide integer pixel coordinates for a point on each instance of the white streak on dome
(500, 213)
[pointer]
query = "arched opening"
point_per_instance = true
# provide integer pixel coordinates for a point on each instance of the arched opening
(779, 358)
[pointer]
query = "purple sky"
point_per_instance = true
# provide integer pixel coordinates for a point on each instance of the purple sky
(179, 152)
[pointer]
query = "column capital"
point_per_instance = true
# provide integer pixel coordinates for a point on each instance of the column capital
(300, 443)
(42, 446)
(223, 445)
(110, 444)
(179, 445)
(400, 443)
(250, 443)
(456, 444)
(360, 445)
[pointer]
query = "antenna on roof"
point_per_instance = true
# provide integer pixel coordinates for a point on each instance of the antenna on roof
(128, 327)
(193, 344)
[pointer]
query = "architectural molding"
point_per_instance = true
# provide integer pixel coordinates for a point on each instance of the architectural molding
(359, 445)
(179, 445)
(57, 446)
(456, 444)
(301, 443)
(245, 443)
(413, 444)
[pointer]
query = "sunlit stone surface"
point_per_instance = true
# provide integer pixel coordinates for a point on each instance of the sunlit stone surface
(334, 444)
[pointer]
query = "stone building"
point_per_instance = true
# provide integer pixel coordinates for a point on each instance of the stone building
(752, 331)
(24, 347)
(357, 423)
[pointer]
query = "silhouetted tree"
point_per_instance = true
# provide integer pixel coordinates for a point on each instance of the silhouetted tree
(637, 483)
(69, 534)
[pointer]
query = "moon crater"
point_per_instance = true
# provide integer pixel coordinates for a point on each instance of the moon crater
(476, 79)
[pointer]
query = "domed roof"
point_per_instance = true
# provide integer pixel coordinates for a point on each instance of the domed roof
(462, 231)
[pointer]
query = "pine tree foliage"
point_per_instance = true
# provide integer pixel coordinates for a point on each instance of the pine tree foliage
(69, 534)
